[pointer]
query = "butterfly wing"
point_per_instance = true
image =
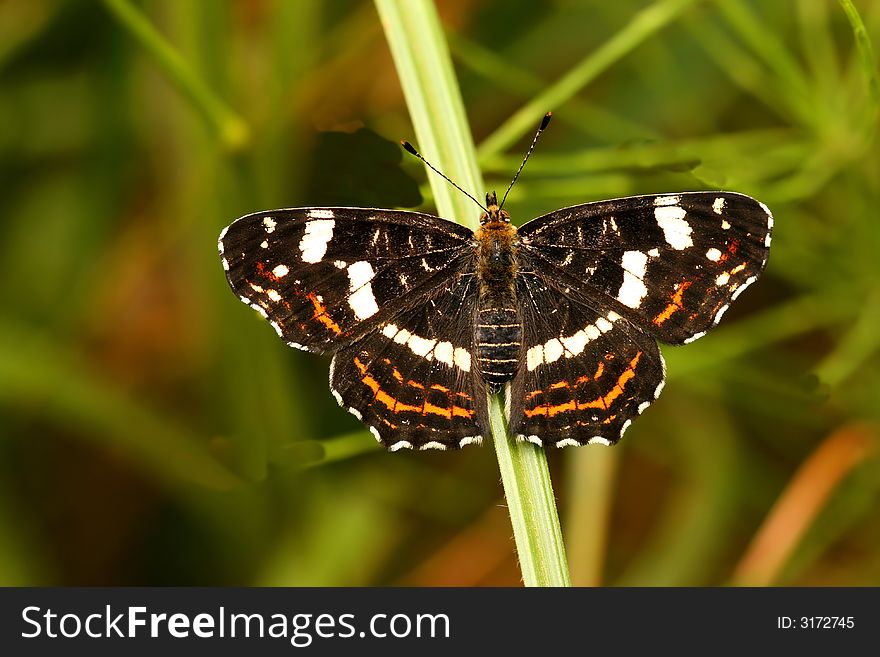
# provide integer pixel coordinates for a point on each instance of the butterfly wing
(599, 282)
(411, 380)
(671, 264)
(586, 371)
(324, 277)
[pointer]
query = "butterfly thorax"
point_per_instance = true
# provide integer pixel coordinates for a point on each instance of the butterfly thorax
(498, 325)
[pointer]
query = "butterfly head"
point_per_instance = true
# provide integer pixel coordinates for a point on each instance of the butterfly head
(493, 213)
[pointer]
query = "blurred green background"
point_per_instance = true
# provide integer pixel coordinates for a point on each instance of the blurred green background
(153, 430)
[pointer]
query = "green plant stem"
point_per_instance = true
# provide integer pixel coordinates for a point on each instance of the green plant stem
(865, 51)
(644, 24)
(424, 67)
(231, 129)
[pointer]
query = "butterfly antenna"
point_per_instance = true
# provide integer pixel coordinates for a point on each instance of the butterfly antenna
(409, 148)
(544, 123)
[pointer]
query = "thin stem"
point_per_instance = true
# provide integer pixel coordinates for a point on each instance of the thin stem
(424, 67)
(230, 128)
(644, 24)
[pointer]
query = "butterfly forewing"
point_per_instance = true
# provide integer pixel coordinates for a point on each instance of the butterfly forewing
(669, 263)
(324, 277)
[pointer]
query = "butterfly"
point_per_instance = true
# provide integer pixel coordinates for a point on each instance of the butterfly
(425, 316)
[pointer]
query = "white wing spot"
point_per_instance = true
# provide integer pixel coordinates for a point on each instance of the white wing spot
(400, 444)
(569, 346)
(270, 224)
(718, 205)
(444, 353)
(402, 336)
(534, 357)
(420, 346)
(676, 230)
(433, 445)
(567, 442)
(694, 337)
(599, 440)
(462, 360)
(313, 244)
(470, 440)
(633, 289)
(273, 294)
(724, 225)
(553, 350)
(281, 271)
(575, 344)
(361, 300)
(661, 201)
(320, 213)
(722, 279)
(714, 254)
(654, 253)
(340, 264)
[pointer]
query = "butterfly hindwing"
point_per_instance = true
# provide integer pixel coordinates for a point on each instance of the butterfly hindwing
(669, 263)
(324, 277)
(586, 371)
(412, 380)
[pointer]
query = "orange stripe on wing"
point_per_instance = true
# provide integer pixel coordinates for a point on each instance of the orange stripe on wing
(599, 402)
(395, 405)
(675, 305)
(321, 314)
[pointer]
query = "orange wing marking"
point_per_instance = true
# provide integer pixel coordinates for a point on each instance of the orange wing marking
(262, 271)
(565, 384)
(321, 314)
(599, 402)
(675, 305)
(395, 406)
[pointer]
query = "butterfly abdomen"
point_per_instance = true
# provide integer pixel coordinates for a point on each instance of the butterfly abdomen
(498, 326)
(498, 345)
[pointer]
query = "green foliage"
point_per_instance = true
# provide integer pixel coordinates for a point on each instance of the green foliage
(153, 430)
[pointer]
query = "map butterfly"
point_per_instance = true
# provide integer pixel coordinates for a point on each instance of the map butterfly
(425, 316)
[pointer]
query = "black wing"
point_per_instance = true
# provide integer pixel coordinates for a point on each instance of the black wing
(586, 371)
(325, 277)
(412, 381)
(671, 264)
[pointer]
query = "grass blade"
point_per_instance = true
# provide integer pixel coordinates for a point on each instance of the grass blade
(421, 56)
